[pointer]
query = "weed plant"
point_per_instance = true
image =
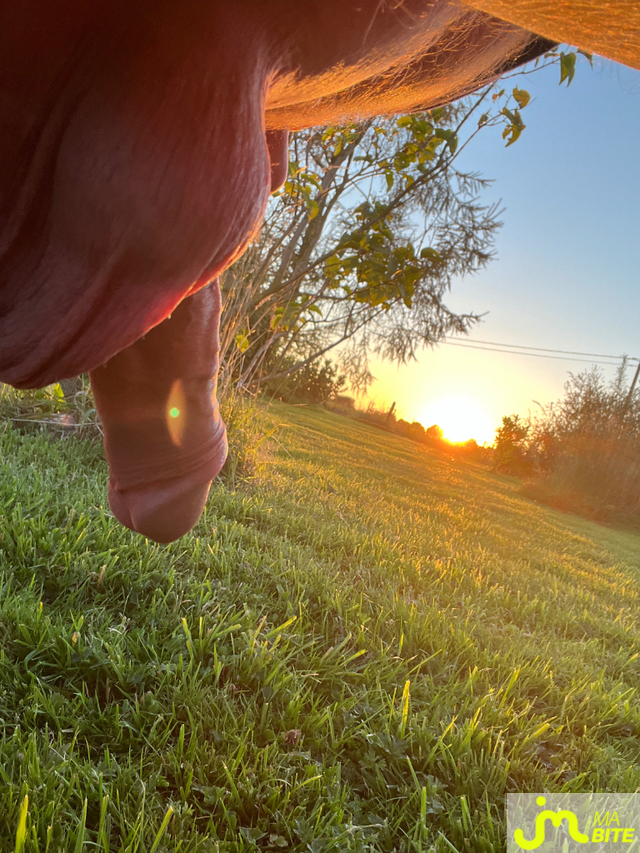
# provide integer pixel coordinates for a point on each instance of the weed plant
(246, 436)
(49, 407)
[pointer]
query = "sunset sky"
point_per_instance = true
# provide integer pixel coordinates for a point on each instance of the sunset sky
(567, 275)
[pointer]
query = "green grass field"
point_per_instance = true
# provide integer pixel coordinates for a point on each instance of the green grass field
(361, 649)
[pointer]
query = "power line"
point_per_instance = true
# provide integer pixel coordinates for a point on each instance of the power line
(545, 349)
(535, 354)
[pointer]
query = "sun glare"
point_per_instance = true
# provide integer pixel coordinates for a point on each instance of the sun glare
(460, 419)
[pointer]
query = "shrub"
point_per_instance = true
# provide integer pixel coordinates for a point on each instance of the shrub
(316, 382)
(342, 405)
(587, 449)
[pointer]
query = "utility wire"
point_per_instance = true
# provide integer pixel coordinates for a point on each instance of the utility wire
(535, 354)
(545, 349)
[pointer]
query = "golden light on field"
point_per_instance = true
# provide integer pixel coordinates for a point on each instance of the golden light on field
(460, 418)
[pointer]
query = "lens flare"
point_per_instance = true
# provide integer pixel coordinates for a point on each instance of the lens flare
(175, 413)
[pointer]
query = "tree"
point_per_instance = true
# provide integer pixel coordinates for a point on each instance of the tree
(511, 451)
(362, 244)
(592, 408)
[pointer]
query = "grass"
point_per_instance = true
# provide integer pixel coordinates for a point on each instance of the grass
(361, 649)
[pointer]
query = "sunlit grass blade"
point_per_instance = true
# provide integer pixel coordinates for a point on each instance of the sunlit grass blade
(102, 826)
(161, 831)
(406, 698)
(81, 828)
(21, 831)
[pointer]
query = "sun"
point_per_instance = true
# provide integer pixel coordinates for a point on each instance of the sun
(460, 419)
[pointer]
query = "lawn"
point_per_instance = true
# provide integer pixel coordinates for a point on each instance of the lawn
(362, 648)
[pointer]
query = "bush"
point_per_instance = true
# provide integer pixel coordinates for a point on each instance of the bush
(342, 405)
(586, 448)
(316, 382)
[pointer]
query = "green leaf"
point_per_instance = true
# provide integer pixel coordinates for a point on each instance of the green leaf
(450, 137)
(312, 206)
(521, 97)
(251, 833)
(484, 118)
(588, 56)
(431, 254)
(567, 67)
(242, 342)
(421, 128)
(411, 275)
(389, 177)
(513, 132)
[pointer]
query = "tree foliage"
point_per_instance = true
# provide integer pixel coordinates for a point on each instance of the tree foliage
(360, 247)
(592, 407)
(511, 454)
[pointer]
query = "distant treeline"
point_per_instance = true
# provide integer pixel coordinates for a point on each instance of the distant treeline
(431, 436)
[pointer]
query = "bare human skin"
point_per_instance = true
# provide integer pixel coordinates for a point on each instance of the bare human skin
(138, 145)
(164, 438)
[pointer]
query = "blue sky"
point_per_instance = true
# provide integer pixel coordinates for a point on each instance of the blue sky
(567, 274)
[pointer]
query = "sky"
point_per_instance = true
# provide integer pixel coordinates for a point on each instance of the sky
(567, 274)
